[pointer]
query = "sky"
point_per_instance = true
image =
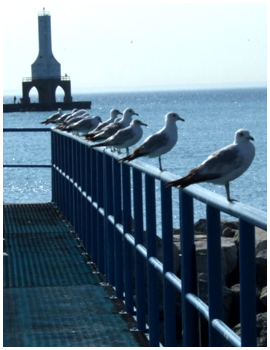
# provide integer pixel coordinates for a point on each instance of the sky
(120, 46)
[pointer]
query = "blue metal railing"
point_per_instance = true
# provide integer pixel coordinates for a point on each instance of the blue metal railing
(113, 209)
(94, 192)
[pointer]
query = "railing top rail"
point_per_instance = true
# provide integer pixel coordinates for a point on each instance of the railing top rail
(242, 211)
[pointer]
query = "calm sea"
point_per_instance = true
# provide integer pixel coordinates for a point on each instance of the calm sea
(211, 119)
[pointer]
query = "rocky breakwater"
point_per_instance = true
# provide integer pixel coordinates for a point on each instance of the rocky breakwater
(230, 274)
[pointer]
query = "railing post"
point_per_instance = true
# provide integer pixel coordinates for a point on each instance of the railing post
(94, 213)
(53, 179)
(118, 239)
(153, 306)
(139, 260)
(88, 177)
(247, 263)
(100, 219)
(128, 268)
(108, 229)
(168, 266)
(188, 271)
(214, 274)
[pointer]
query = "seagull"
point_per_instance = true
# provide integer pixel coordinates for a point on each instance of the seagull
(114, 113)
(63, 117)
(84, 125)
(159, 143)
(224, 165)
(72, 120)
(126, 137)
(53, 117)
(111, 129)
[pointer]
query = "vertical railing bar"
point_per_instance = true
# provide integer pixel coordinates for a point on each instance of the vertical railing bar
(69, 171)
(118, 239)
(94, 213)
(88, 177)
(100, 218)
(128, 270)
(82, 198)
(188, 271)
(53, 150)
(153, 306)
(139, 260)
(214, 269)
(247, 265)
(168, 266)
(108, 199)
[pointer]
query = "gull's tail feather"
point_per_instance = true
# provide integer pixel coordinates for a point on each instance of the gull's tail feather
(181, 183)
(98, 145)
(135, 154)
(192, 177)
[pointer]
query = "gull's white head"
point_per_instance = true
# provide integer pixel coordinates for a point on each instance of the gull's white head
(129, 112)
(137, 122)
(173, 117)
(242, 135)
(114, 113)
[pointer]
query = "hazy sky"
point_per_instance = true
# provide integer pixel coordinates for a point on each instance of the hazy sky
(139, 44)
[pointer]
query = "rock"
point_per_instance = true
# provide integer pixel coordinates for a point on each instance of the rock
(228, 232)
(228, 254)
(261, 329)
(200, 227)
(261, 268)
(263, 296)
(260, 240)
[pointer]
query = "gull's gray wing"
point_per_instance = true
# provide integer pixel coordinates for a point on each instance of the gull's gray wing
(153, 143)
(221, 162)
(120, 137)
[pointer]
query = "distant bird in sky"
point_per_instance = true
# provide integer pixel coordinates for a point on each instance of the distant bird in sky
(126, 137)
(224, 165)
(112, 128)
(53, 117)
(159, 143)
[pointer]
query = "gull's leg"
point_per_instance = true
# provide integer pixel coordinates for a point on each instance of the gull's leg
(127, 151)
(160, 166)
(227, 186)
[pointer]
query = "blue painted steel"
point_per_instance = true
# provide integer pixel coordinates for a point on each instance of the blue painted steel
(139, 259)
(128, 263)
(118, 239)
(188, 271)
(168, 266)
(94, 192)
(247, 284)
(214, 273)
(153, 307)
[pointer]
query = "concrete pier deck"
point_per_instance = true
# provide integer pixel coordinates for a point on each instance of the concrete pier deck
(52, 297)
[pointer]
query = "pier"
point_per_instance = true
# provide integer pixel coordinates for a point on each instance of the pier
(100, 227)
(52, 296)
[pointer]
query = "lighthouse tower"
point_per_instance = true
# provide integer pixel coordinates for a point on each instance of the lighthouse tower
(46, 70)
(45, 66)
